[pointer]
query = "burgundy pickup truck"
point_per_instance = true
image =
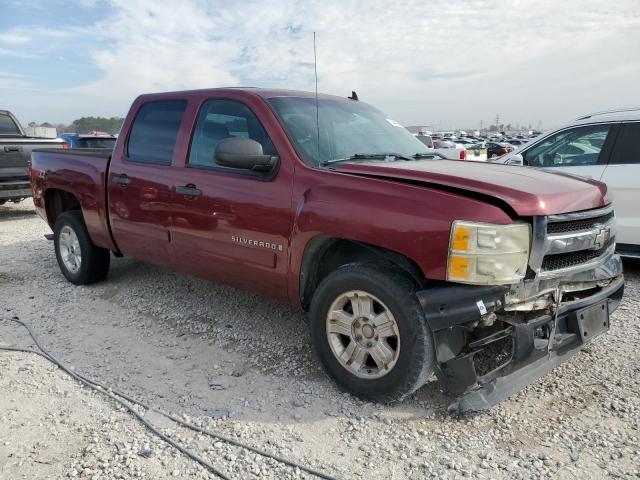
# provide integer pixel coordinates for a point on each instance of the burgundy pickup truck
(486, 275)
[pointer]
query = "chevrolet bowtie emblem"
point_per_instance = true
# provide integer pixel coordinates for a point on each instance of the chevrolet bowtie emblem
(602, 238)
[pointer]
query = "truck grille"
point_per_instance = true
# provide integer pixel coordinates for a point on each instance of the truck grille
(573, 259)
(574, 240)
(578, 225)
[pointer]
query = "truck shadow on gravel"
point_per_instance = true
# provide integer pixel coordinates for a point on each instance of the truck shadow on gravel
(7, 214)
(271, 335)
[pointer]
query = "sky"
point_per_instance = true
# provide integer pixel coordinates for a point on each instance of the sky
(438, 63)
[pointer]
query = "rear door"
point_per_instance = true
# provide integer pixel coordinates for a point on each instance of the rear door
(622, 176)
(140, 182)
(581, 150)
(232, 225)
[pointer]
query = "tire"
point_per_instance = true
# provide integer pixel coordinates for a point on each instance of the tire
(93, 262)
(387, 288)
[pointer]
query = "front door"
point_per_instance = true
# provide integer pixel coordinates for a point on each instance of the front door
(579, 150)
(231, 225)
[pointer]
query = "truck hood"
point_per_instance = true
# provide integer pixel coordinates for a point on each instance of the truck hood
(528, 191)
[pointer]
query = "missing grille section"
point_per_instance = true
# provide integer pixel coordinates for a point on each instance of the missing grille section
(493, 356)
(578, 225)
(568, 260)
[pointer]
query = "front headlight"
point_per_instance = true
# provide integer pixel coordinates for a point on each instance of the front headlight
(487, 254)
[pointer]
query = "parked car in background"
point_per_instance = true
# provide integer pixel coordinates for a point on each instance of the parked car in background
(477, 152)
(444, 148)
(15, 151)
(90, 140)
(517, 142)
(450, 149)
(406, 264)
(497, 149)
(601, 146)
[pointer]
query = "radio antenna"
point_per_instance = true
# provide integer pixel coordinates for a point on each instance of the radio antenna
(315, 69)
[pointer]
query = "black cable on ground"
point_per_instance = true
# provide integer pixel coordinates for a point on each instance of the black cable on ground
(114, 394)
(120, 402)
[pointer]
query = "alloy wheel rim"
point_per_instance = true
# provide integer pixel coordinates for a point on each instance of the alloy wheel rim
(70, 249)
(363, 334)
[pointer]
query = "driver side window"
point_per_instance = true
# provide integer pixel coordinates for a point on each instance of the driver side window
(220, 119)
(577, 146)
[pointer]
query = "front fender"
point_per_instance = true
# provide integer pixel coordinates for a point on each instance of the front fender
(410, 220)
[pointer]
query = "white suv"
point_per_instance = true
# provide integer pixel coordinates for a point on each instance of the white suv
(603, 146)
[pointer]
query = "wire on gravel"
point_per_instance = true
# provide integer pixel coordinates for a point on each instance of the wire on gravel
(114, 394)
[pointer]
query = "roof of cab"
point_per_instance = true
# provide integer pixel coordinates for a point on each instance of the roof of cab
(618, 115)
(253, 91)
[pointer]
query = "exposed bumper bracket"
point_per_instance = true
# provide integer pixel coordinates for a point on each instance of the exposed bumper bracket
(531, 357)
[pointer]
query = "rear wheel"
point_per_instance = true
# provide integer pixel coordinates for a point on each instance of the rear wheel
(369, 332)
(80, 261)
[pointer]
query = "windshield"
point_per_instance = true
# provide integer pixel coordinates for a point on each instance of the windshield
(346, 128)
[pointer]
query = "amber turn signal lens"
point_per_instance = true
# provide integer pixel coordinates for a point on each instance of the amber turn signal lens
(460, 238)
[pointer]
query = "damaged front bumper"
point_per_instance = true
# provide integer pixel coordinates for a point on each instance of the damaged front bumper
(469, 321)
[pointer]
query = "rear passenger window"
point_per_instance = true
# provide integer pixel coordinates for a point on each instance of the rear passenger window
(627, 148)
(154, 132)
(220, 119)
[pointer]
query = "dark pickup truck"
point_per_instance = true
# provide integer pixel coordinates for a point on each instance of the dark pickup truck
(15, 151)
(487, 275)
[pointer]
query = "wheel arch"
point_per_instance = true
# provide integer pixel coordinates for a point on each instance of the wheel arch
(323, 254)
(57, 201)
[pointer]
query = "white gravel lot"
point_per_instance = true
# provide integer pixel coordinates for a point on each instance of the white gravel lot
(242, 365)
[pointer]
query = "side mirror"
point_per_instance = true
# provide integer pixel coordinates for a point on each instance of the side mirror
(515, 159)
(243, 153)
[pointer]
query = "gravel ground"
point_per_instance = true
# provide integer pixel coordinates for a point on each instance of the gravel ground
(242, 365)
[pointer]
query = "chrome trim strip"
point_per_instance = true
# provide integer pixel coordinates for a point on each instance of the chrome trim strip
(592, 239)
(582, 215)
(538, 243)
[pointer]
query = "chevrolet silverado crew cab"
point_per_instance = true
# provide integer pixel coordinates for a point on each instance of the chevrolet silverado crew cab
(15, 151)
(486, 275)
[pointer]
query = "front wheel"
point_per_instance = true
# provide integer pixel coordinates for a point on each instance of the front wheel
(80, 261)
(368, 329)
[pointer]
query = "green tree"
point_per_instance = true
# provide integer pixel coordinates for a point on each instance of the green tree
(89, 124)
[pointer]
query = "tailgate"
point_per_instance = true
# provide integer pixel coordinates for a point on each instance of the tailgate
(16, 152)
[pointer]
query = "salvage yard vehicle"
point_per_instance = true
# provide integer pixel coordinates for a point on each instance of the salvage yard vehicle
(15, 151)
(407, 265)
(89, 140)
(443, 148)
(497, 149)
(603, 146)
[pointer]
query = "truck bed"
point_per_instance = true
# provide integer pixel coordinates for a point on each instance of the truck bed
(80, 171)
(102, 153)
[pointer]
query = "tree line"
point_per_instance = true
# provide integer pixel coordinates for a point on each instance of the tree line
(86, 124)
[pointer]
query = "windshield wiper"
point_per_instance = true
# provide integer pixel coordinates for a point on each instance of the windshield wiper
(369, 156)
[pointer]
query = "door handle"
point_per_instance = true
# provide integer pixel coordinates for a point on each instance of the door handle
(189, 191)
(120, 180)
(11, 149)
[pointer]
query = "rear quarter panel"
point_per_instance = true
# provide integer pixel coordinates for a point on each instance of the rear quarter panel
(81, 175)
